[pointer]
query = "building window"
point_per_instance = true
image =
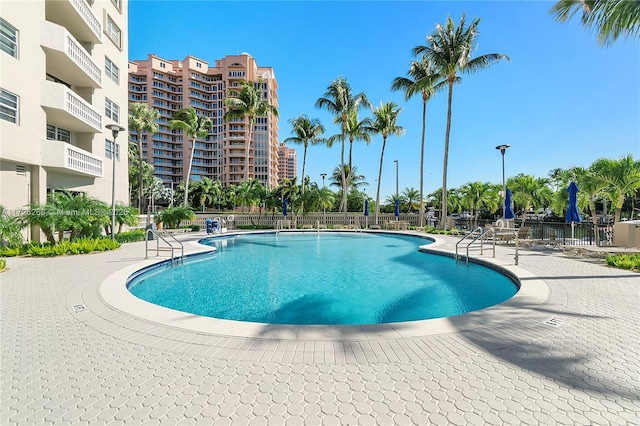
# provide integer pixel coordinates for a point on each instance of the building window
(113, 32)
(111, 110)
(112, 71)
(8, 106)
(58, 134)
(8, 38)
(108, 149)
(117, 4)
(162, 65)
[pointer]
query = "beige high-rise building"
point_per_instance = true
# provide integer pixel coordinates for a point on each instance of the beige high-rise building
(287, 163)
(171, 85)
(61, 84)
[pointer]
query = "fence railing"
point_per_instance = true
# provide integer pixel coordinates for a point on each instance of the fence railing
(311, 219)
(583, 233)
(546, 232)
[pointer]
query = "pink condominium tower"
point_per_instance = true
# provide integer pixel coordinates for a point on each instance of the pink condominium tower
(171, 85)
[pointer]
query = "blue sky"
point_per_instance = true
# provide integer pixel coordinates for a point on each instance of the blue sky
(563, 100)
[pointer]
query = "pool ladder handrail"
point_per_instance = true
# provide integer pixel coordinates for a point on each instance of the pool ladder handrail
(477, 233)
(160, 236)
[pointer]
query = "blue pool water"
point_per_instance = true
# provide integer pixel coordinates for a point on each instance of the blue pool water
(322, 278)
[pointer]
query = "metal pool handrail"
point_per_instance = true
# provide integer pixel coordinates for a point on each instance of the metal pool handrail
(479, 233)
(158, 249)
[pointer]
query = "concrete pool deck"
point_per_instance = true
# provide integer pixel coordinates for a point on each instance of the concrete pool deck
(566, 352)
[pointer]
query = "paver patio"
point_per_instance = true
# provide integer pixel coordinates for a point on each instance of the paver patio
(572, 359)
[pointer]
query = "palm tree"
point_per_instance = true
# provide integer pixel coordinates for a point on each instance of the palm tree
(384, 123)
(356, 131)
(207, 192)
(340, 101)
(591, 187)
(354, 180)
(529, 192)
(478, 195)
(449, 49)
(306, 132)
(410, 198)
(622, 176)
(424, 80)
(611, 18)
(194, 126)
(142, 118)
(247, 193)
(248, 103)
(10, 228)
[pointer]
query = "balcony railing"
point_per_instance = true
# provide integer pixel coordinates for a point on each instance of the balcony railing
(87, 15)
(68, 110)
(70, 159)
(77, 17)
(83, 59)
(81, 161)
(67, 59)
(81, 110)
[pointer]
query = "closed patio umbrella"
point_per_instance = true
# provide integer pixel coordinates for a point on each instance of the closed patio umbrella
(285, 203)
(366, 213)
(508, 210)
(573, 215)
(397, 210)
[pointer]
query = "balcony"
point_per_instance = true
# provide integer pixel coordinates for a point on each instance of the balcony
(66, 109)
(69, 159)
(77, 16)
(67, 59)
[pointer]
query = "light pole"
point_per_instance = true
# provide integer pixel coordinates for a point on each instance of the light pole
(115, 129)
(502, 149)
(324, 209)
(397, 192)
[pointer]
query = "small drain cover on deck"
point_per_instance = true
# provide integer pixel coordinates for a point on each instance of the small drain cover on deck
(79, 308)
(556, 322)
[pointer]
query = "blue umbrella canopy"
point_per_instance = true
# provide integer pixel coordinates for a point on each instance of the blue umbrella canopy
(508, 210)
(285, 203)
(397, 211)
(366, 207)
(573, 215)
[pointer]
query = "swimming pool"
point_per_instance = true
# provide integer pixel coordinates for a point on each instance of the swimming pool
(322, 278)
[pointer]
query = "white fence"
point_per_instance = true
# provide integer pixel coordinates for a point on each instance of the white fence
(235, 220)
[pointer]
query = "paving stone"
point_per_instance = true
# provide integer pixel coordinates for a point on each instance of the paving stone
(133, 372)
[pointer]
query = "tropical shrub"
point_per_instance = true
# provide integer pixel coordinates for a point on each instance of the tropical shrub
(172, 216)
(130, 236)
(624, 261)
(10, 251)
(81, 245)
(10, 228)
(3, 264)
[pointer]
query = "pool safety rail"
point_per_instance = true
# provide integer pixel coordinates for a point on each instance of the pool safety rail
(476, 240)
(172, 244)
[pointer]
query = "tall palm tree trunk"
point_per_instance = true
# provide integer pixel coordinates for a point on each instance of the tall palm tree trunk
(343, 202)
(186, 183)
(304, 162)
(246, 155)
(384, 142)
(443, 221)
(594, 220)
(140, 172)
(424, 126)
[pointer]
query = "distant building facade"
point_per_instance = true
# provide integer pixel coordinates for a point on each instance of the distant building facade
(61, 84)
(171, 85)
(287, 163)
